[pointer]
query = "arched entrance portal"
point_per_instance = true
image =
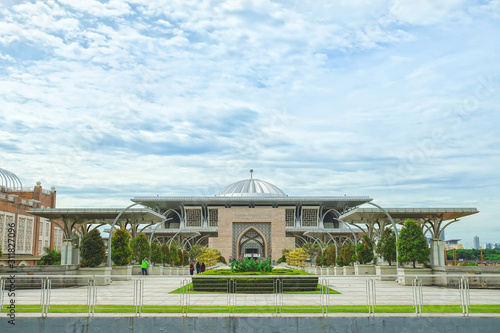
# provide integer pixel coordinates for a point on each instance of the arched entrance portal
(252, 243)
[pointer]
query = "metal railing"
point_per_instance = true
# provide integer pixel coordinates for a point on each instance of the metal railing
(140, 295)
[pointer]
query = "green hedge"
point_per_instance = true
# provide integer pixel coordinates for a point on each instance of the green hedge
(254, 285)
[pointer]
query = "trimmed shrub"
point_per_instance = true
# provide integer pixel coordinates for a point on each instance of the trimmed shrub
(140, 248)
(364, 250)
(92, 250)
(156, 253)
(120, 247)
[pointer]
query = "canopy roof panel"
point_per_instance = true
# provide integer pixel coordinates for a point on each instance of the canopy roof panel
(103, 215)
(359, 215)
(339, 203)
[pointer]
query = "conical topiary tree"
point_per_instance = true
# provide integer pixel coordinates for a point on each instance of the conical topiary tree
(120, 247)
(156, 254)
(386, 246)
(92, 250)
(412, 244)
(346, 255)
(364, 250)
(140, 248)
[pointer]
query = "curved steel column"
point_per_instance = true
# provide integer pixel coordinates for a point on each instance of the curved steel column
(393, 225)
(111, 232)
(156, 227)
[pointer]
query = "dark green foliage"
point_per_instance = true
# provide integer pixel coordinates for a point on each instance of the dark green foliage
(327, 257)
(254, 285)
(321, 259)
(281, 259)
(180, 258)
(222, 260)
(51, 257)
(251, 265)
(346, 256)
(170, 256)
(164, 253)
(196, 251)
(412, 244)
(156, 253)
(92, 250)
(185, 258)
(120, 247)
(140, 248)
(473, 254)
(364, 250)
(386, 246)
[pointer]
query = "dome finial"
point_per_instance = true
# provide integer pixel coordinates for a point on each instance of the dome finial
(251, 173)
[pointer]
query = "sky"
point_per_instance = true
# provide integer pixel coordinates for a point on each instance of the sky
(395, 100)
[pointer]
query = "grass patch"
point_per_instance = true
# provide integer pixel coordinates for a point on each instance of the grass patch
(108, 308)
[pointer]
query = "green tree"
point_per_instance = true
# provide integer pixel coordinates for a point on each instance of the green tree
(179, 260)
(120, 247)
(156, 253)
(195, 251)
(51, 257)
(346, 255)
(311, 248)
(386, 246)
(92, 250)
(140, 248)
(364, 250)
(165, 254)
(185, 258)
(412, 244)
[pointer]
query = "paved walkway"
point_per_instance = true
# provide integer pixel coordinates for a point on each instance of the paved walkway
(157, 290)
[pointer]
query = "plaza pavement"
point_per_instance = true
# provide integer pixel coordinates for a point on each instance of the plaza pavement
(156, 291)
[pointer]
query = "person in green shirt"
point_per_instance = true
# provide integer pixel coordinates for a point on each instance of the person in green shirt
(144, 266)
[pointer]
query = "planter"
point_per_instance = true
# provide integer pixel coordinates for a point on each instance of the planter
(386, 273)
(348, 270)
(407, 275)
(102, 275)
(156, 270)
(121, 273)
(364, 269)
(477, 276)
(136, 270)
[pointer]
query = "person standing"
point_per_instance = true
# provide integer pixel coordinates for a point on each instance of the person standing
(144, 266)
(191, 268)
(202, 267)
(198, 268)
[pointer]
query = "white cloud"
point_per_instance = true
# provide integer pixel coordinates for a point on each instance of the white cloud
(176, 97)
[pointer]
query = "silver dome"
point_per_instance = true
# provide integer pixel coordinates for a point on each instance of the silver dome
(251, 188)
(9, 180)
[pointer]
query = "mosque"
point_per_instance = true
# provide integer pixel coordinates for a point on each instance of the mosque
(250, 217)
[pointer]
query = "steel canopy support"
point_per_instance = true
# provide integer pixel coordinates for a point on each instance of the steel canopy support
(111, 231)
(393, 225)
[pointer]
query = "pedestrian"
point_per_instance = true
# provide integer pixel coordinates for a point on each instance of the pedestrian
(191, 268)
(198, 268)
(144, 266)
(202, 267)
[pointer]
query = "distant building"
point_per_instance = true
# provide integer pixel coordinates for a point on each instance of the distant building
(476, 243)
(33, 233)
(488, 246)
(452, 244)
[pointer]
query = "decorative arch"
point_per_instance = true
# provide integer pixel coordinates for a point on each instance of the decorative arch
(264, 240)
